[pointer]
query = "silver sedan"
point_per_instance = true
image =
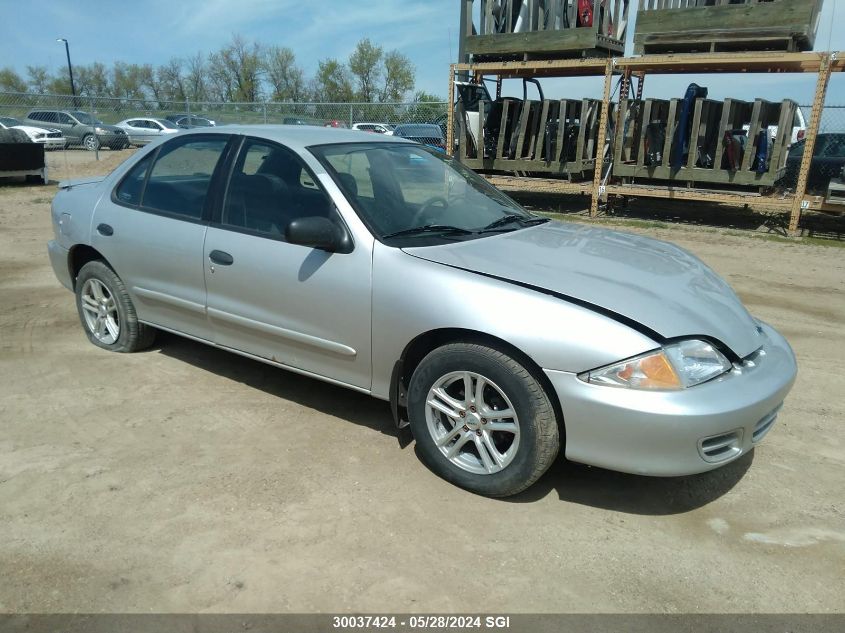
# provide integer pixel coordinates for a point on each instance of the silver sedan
(383, 266)
(142, 130)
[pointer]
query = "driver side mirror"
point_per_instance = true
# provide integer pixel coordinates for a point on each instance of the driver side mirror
(318, 232)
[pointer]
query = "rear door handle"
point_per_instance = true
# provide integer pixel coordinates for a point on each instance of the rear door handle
(221, 258)
(105, 229)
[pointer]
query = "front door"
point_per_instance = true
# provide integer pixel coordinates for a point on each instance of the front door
(301, 307)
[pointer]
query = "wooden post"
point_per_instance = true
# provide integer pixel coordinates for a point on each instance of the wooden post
(450, 113)
(810, 142)
(605, 105)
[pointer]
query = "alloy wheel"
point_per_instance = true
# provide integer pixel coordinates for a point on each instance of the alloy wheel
(472, 422)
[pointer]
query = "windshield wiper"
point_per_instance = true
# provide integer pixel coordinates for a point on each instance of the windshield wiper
(513, 218)
(429, 228)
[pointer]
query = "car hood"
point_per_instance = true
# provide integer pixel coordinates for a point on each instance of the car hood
(30, 129)
(656, 284)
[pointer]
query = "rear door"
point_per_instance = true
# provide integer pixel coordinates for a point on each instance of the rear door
(152, 230)
(301, 307)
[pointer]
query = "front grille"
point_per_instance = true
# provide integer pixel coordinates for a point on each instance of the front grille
(54, 135)
(763, 426)
(718, 448)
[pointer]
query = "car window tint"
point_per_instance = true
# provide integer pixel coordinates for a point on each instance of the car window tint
(267, 191)
(131, 187)
(181, 176)
(63, 118)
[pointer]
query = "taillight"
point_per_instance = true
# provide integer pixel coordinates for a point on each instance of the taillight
(800, 135)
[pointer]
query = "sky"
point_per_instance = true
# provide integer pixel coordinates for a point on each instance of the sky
(154, 31)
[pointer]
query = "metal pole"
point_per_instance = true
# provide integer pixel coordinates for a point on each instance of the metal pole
(810, 142)
(350, 115)
(69, 70)
(97, 146)
(264, 109)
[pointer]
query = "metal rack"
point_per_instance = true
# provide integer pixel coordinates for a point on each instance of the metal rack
(820, 63)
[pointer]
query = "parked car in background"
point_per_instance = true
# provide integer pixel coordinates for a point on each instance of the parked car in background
(142, 130)
(827, 162)
(425, 133)
(80, 128)
(292, 120)
(188, 121)
(378, 128)
(50, 138)
(386, 267)
(335, 123)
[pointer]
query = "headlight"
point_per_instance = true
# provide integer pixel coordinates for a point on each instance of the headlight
(675, 366)
(100, 130)
(40, 135)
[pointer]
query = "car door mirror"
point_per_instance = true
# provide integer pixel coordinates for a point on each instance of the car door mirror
(318, 232)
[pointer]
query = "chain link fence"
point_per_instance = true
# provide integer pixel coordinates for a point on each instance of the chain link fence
(828, 154)
(113, 110)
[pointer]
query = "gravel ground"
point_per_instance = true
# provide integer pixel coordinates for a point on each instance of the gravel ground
(186, 479)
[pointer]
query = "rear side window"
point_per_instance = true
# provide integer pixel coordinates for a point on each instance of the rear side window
(132, 186)
(181, 176)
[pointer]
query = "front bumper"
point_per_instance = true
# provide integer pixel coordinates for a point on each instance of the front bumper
(59, 261)
(51, 143)
(671, 433)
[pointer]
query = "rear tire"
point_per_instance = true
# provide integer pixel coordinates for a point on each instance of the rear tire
(498, 440)
(106, 311)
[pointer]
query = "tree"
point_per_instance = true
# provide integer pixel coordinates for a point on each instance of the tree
(427, 108)
(149, 79)
(92, 80)
(286, 78)
(39, 78)
(196, 85)
(398, 77)
(236, 70)
(365, 64)
(10, 81)
(332, 82)
(171, 78)
(127, 81)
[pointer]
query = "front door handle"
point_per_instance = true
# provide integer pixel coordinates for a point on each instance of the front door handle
(105, 229)
(221, 258)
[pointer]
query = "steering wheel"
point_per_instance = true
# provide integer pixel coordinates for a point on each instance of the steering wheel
(425, 207)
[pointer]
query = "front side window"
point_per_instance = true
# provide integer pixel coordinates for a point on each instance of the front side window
(411, 190)
(269, 188)
(181, 176)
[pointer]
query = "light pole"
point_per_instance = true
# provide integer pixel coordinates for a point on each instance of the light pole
(69, 67)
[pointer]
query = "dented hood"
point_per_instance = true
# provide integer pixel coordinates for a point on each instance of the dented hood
(656, 284)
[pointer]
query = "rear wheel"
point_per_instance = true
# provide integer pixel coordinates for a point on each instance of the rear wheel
(106, 311)
(481, 420)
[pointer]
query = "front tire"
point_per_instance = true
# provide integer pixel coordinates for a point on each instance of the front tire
(481, 420)
(106, 311)
(90, 142)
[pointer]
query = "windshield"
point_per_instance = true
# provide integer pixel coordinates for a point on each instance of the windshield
(9, 121)
(401, 188)
(167, 125)
(85, 118)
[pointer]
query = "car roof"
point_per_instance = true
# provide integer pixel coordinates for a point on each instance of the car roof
(298, 136)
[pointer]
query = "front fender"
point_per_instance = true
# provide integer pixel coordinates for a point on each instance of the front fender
(412, 296)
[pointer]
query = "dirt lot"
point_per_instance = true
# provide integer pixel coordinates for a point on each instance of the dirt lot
(187, 479)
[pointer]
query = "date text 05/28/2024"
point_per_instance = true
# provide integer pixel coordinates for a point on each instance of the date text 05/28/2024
(366, 622)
